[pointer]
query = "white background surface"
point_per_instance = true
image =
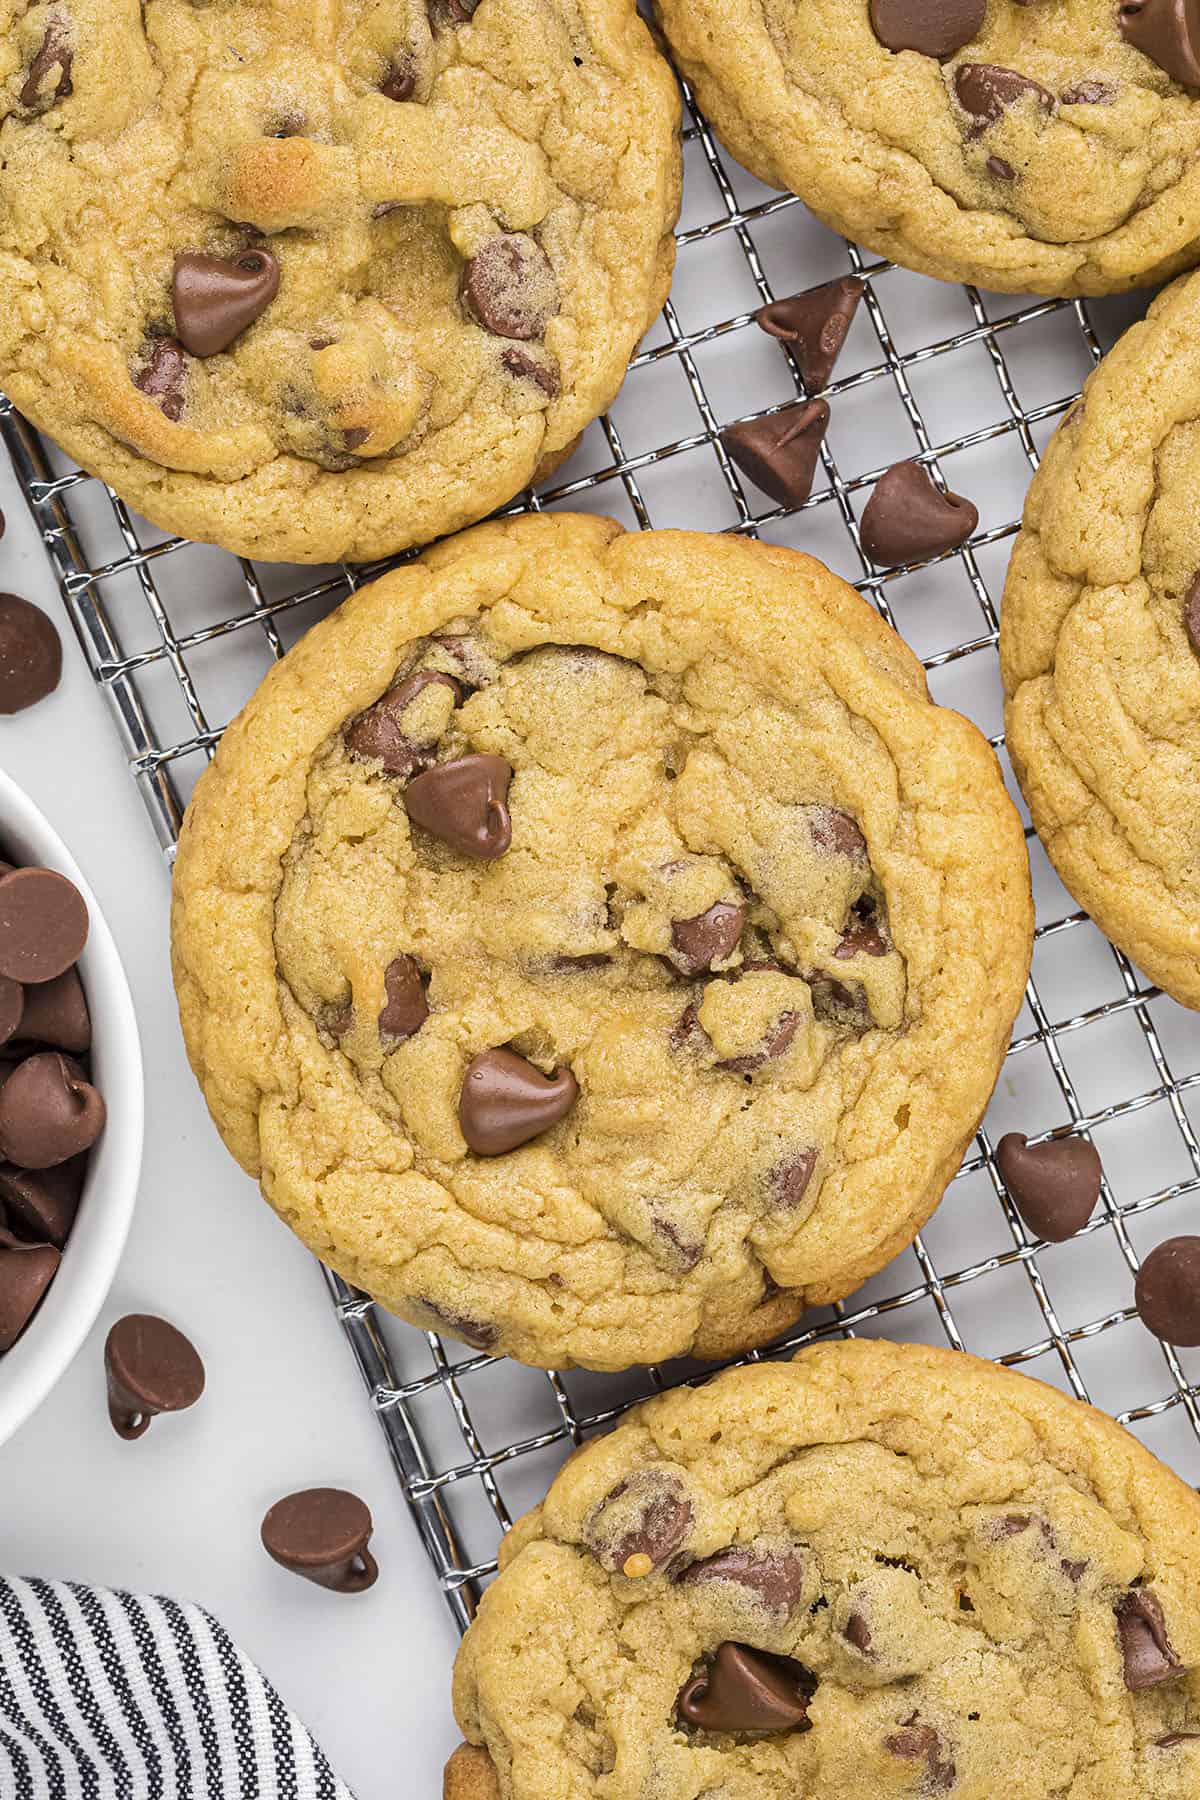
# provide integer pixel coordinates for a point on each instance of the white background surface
(179, 1511)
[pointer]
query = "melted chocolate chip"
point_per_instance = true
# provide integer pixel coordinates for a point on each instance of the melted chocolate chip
(1054, 1186)
(862, 938)
(986, 91)
(779, 453)
(709, 938)
(472, 1331)
(789, 1180)
(48, 1112)
(777, 1041)
(407, 1008)
(773, 1578)
(151, 1368)
(400, 81)
(815, 325)
(1191, 615)
(506, 1101)
(858, 1633)
(931, 27)
(55, 53)
(163, 376)
(837, 832)
(43, 925)
(999, 169)
(649, 1515)
(510, 287)
(217, 297)
(908, 518)
(1142, 1634)
(915, 1742)
(30, 654)
(464, 804)
(323, 1535)
(1089, 93)
(26, 1271)
(1167, 1291)
(379, 734)
(745, 1690)
(523, 367)
(1168, 32)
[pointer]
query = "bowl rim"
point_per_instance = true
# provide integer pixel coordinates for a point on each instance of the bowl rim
(93, 1252)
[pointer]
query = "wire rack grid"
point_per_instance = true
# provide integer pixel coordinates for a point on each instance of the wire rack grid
(177, 635)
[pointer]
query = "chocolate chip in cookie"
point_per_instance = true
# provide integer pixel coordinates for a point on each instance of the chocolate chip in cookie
(1167, 1291)
(216, 297)
(506, 1101)
(789, 1179)
(917, 1742)
(1191, 615)
(49, 77)
(1168, 32)
(524, 367)
(986, 91)
(908, 518)
(814, 325)
(381, 731)
(642, 1524)
(779, 452)
(932, 27)
(746, 1690)
(1054, 1186)
(1145, 1647)
(464, 803)
(510, 287)
(162, 375)
(711, 937)
(30, 654)
(400, 79)
(772, 1576)
(406, 1009)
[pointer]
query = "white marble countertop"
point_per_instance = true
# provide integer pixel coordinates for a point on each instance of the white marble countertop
(179, 1511)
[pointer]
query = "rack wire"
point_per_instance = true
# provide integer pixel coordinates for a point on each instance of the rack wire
(177, 635)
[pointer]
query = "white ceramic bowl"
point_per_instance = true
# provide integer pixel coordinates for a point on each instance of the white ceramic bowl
(66, 1315)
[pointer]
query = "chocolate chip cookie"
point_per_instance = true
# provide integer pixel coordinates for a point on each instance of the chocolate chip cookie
(1041, 146)
(320, 282)
(1100, 645)
(880, 1570)
(598, 944)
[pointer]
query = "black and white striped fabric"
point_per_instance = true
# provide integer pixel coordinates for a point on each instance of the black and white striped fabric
(112, 1696)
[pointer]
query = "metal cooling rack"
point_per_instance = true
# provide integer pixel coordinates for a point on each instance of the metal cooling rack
(177, 635)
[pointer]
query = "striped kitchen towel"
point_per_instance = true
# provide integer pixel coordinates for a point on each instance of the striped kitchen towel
(111, 1696)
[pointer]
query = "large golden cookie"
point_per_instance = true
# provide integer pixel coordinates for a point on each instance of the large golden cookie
(599, 945)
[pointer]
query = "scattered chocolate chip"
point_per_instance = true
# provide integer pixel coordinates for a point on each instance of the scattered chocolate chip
(920, 1743)
(1167, 1291)
(463, 803)
(56, 1014)
(709, 938)
(407, 1008)
(999, 169)
(378, 732)
(747, 1690)
(1191, 615)
(510, 287)
(648, 1515)
(506, 1101)
(773, 1577)
(1054, 1186)
(931, 27)
(986, 91)
(30, 654)
(48, 1112)
(43, 925)
(523, 367)
(858, 1633)
(1145, 1648)
(789, 1180)
(55, 53)
(1168, 32)
(12, 1005)
(1089, 93)
(862, 938)
(472, 1331)
(777, 1041)
(163, 376)
(908, 518)
(815, 324)
(400, 81)
(43, 1202)
(217, 297)
(779, 453)
(1174, 1738)
(836, 831)
(26, 1271)
(151, 1368)
(323, 1535)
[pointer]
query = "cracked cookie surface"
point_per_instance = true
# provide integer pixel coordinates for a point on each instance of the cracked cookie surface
(597, 943)
(1100, 645)
(879, 1570)
(321, 282)
(1046, 147)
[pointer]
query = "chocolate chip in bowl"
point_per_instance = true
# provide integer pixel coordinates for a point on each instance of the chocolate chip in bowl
(70, 1107)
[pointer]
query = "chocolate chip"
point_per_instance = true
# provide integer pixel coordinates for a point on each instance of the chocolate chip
(921, 1743)
(648, 1515)
(931, 27)
(747, 1690)
(43, 1202)
(151, 1368)
(908, 518)
(1168, 32)
(510, 287)
(773, 1577)
(777, 1041)
(56, 1013)
(1176, 1737)
(1054, 1186)
(464, 804)
(323, 1535)
(48, 1112)
(858, 1633)
(1191, 615)
(30, 654)
(815, 324)
(1167, 1291)
(12, 1005)
(1142, 1634)
(999, 169)
(506, 1101)
(709, 938)
(407, 1008)
(26, 1271)
(1088, 93)
(400, 82)
(471, 1331)
(378, 732)
(837, 832)
(789, 1180)
(217, 297)
(163, 376)
(986, 91)
(355, 437)
(43, 925)
(779, 453)
(523, 367)
(55, 53)
(863, 938)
